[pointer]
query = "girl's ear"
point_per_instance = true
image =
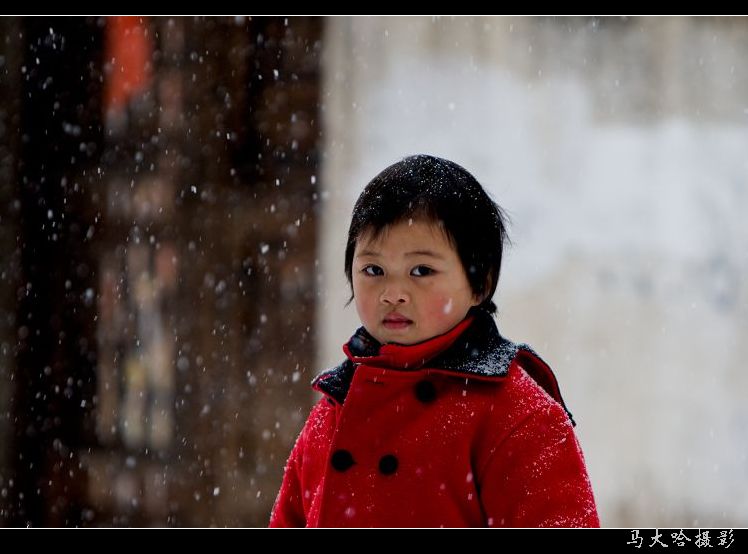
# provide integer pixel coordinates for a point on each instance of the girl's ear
(478, 298)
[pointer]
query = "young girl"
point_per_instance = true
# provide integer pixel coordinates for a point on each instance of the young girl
(434, 419)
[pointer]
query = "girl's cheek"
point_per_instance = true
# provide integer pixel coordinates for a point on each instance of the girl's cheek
(440, 307)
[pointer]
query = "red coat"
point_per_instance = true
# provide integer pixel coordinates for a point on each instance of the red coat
(464, 429)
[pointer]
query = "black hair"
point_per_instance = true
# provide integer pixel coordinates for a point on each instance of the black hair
(436, 190)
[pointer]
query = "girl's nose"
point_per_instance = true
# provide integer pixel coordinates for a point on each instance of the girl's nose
(394, 295)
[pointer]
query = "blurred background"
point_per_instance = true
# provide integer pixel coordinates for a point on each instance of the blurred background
(174, 201)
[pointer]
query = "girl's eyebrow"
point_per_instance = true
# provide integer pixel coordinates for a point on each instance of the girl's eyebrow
(413, 253)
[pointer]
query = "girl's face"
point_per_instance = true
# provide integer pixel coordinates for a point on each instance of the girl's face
(411, 273)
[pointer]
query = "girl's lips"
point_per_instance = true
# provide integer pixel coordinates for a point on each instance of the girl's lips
(395, 316)
(396, 324)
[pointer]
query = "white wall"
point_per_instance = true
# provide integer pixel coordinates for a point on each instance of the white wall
(619, 148)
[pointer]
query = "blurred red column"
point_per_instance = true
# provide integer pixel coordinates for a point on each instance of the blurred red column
(128, 60)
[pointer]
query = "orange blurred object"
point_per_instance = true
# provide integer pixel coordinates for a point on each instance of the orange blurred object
(128, 50)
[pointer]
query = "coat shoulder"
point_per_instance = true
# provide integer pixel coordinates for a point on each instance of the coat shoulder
(527, 396)
(518, 398)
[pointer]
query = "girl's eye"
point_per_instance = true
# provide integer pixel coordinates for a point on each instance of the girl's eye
(423, 268)
(418, 271)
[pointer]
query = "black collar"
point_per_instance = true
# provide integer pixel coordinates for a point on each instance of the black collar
(479, 351)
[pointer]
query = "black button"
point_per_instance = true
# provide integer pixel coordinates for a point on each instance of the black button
(425, 391)
(342, 460)
(388, 464)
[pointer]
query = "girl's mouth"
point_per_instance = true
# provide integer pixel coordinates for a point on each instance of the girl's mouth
(393, 324)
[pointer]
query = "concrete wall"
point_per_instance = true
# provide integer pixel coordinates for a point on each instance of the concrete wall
(618, 147)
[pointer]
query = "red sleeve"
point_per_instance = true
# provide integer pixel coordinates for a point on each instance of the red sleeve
(288, 510)
(536, 476)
